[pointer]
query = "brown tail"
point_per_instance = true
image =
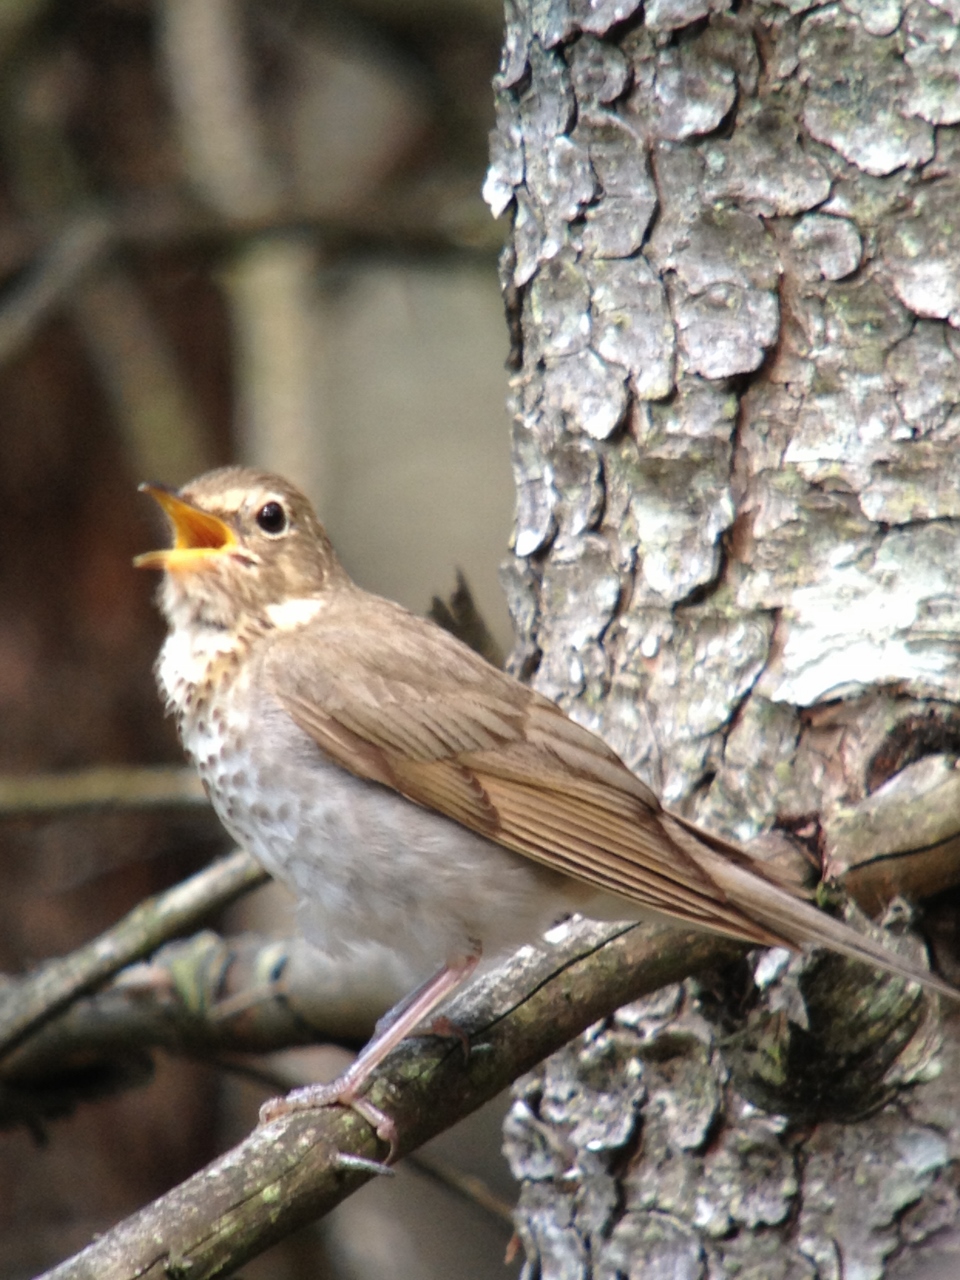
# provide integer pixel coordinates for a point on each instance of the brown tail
(745, 883)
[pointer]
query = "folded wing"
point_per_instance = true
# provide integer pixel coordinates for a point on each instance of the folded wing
(397, 700)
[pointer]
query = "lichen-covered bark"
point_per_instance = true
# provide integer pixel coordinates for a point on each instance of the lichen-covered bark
(734, 279)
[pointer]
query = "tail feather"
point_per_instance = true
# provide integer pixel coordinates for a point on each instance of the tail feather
(791, 918)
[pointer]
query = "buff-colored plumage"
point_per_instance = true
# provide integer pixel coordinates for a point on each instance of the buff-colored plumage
(396, 699)
(406, 789)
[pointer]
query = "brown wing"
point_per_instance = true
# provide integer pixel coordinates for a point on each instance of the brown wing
(395, 699)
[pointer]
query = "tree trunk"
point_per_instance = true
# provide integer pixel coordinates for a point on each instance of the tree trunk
(734, 281)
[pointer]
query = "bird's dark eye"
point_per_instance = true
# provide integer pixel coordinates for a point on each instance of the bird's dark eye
(272, 518)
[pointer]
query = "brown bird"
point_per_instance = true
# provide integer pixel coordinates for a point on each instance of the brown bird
(408, 792)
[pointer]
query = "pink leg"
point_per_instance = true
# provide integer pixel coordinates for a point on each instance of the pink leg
(399, 1023)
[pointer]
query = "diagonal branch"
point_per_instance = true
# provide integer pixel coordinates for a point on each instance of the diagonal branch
(27, 1002)
(73, 255)
(299, 1168)
(205, 997)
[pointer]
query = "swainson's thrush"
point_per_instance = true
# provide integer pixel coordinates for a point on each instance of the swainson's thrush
(407, 791)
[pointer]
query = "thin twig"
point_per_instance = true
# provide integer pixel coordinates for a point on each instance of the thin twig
(52, 279)
(397, 221)
(296, 1169)
(206, 997)
(166, 220)
(465, 1185)
(27, 1002)
(109, 787)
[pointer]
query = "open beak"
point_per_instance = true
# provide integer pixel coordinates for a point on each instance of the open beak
(197, 535)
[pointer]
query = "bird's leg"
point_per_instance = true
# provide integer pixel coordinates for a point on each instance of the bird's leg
(395, 1026)
(439, 1026)
(387, 1020)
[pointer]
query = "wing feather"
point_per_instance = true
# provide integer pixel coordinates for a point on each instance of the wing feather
(395, 699)
(451, 790)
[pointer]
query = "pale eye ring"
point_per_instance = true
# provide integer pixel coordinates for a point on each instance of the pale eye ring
(272, 518)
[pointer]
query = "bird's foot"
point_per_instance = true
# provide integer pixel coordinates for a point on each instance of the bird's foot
(338, 1093)
(397, 1024)
(448, 1030)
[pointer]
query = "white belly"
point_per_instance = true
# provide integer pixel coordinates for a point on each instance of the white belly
(365, 864)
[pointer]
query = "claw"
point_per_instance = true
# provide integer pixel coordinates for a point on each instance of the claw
(448, 1030)
(339, 1093)
(273, 1110)
(346, 1161)
(382, 1125)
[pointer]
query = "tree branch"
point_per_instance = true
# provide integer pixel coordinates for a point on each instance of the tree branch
(105, 787)
(27, 1002)
(297, 1169)
(203, 996)
(54, 276)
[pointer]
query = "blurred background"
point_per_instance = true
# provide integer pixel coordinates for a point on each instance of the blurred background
(229, 230)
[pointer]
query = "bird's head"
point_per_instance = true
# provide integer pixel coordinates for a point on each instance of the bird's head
(245, 542)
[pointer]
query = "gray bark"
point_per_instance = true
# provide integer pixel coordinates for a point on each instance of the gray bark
(734, 282)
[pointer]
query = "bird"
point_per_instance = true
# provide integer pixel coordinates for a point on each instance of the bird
(407, 791)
